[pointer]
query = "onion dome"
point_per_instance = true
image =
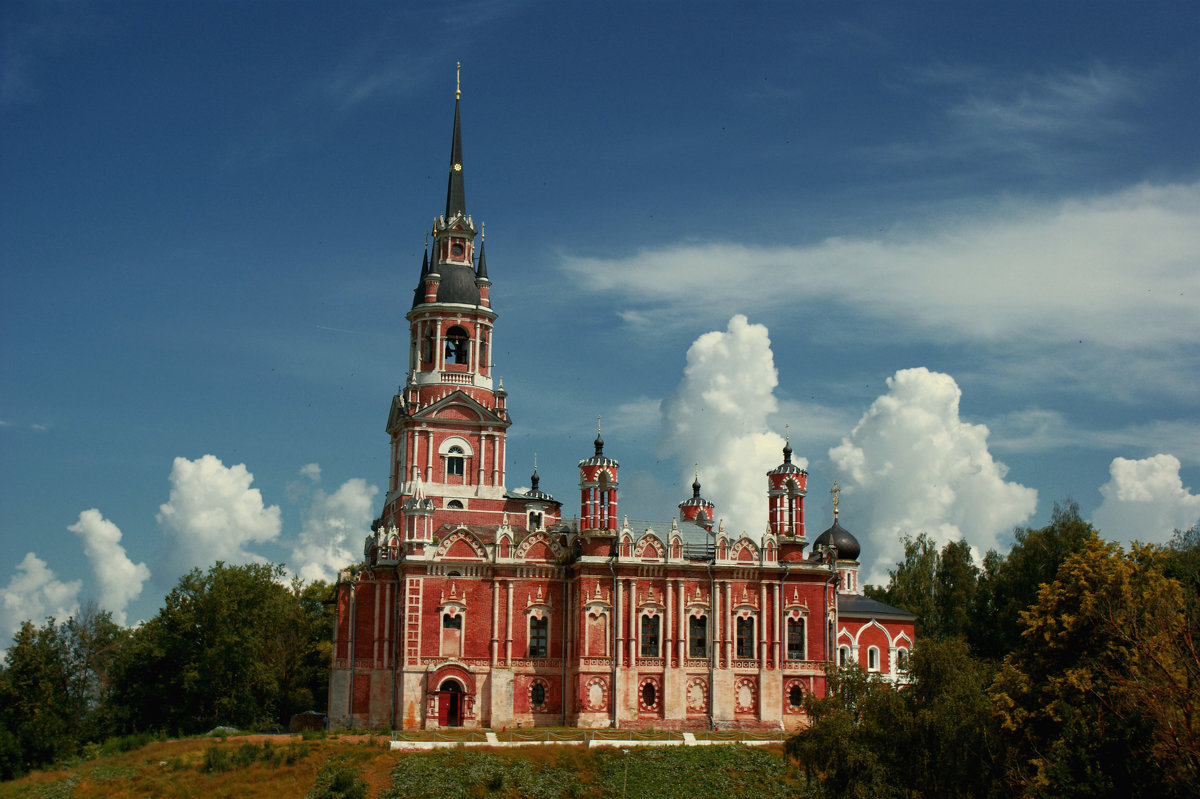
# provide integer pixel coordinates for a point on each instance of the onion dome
(839, 538)
(534, 492)
(787, 467)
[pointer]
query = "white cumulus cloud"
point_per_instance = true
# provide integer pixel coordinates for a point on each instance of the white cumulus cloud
(34, 593)
(119, 580)
(213, 514)
(1145, 500)
(911, 465)
(717, 418)
(334, 527)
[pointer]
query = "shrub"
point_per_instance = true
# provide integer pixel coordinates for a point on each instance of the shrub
(337, 779)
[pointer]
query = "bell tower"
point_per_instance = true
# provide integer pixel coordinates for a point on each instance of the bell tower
(449, 420)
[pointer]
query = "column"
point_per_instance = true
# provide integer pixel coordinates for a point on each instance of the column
(508, 641)
(780, 627)
(633, 623)
(619, 616)
(667, 650)
(764, 619)
(728, 608)
(495, 640)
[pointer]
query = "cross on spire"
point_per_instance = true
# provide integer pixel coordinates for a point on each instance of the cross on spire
(834, 493)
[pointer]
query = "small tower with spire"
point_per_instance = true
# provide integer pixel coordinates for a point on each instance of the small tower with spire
(696, 509)
(787, 485)
(598, 490)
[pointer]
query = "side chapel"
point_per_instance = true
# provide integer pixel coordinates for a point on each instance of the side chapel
(477, 606)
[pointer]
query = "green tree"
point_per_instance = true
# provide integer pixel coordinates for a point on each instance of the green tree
(230, 646)
(940, 587)
(1009, 585)
(937, 737)
(35, 701)
(1099, 696)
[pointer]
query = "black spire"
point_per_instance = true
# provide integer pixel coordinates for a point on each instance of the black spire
(456, 202)
(533, 481)
(481, 270)
(696, 487)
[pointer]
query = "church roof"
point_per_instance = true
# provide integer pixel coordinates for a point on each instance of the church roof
(457, 284)
(456, 201)
(856, 605)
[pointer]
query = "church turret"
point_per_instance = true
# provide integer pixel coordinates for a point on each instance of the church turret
(787, 485)
(697, 509)
(598, 490)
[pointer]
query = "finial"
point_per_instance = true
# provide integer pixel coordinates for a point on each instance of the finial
(597, 424)
(535, 461)
(457, 80)
(696, 471)
(482, 231)
(787, 434)
(835, 491)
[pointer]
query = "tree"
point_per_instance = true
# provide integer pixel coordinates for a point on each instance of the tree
(35, 704)
(939, 587)
(1009, 585)
(230, 646)
(1099, 697)
(937, 737)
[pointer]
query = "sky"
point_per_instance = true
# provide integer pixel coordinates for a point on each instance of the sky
(951, 251)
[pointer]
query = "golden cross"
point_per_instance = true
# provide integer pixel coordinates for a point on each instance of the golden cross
(835, 491)
(597, 424)
(457, 80)
(787, 433)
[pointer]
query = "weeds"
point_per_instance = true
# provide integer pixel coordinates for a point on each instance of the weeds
(337, 779)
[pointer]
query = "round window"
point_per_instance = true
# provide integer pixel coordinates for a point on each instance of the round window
(537, 694)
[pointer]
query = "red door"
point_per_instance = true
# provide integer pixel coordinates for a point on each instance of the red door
(450, 705)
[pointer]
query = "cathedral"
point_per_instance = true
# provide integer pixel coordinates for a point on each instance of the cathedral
(477, 606)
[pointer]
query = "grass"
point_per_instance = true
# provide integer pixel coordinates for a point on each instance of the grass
(362, 766)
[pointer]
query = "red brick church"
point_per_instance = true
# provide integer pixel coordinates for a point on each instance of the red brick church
(477, 606)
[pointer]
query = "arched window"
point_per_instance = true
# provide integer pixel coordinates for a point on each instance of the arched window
(456, 345)
(795, 639)
(454, 504)
(535, 520)
(538, 634)
(873, 658)
(698, 637)
(902, 659)
(649, 638)
(795, 696)
(843, 655)
(537, 694)
(451, 622)
(454, 461)
(745, 639)
(649, 695)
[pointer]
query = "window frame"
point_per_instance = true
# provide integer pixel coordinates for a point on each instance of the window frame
(698, 637)
(649, 640)
(539, 637)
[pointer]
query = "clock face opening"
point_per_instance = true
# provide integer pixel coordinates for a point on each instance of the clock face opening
(457, 250)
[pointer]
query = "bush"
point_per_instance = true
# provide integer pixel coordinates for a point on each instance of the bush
(337, 779)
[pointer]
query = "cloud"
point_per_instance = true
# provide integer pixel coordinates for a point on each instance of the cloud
(334, 527)
(1062, 271)
(718, 418)
(34, 593)
(911, 465)
(119, 580)
(1145, 500)
(213, 514)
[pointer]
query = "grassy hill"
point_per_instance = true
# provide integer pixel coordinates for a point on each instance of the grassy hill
(290, 766)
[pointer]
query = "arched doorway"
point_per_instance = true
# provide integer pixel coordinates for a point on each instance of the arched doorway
(450, 704)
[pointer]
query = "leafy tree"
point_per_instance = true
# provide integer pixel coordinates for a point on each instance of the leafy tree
(1009, 585)
(939, 587)
(230, 646)
(1099, 697)
(35, 704)
(937, 737)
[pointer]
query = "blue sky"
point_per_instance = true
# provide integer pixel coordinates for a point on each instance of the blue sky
(954, 247)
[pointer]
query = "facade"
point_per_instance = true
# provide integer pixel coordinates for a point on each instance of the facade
(481, 607)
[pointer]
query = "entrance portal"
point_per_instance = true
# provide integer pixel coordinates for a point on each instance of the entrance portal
(450, 704)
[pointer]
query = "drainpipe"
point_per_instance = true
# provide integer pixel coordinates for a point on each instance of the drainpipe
(616, 645)
(562, 681)
(830, 554)
(712, 643)
(353, 614)
(782, 629)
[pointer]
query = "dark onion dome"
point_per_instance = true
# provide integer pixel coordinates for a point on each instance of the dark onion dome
(534, 492)
(696, 499)
(598, 459)
(840, 538)
(458, 285)
(787, 467)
